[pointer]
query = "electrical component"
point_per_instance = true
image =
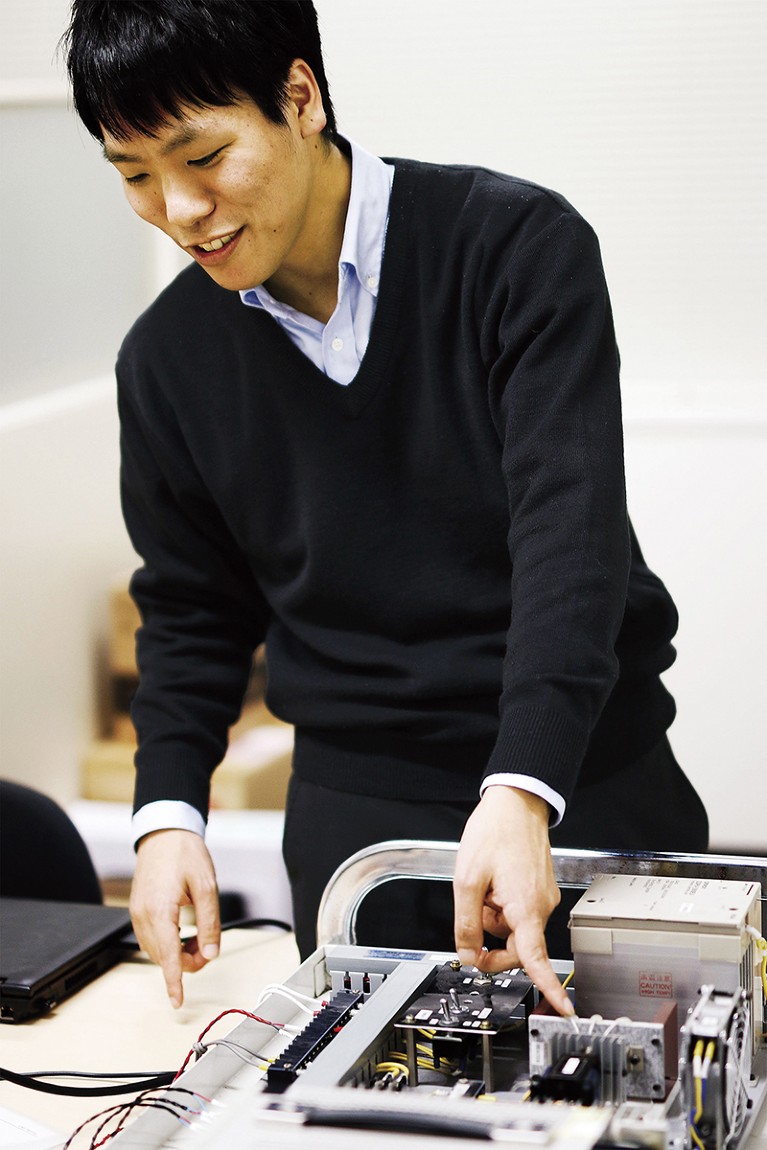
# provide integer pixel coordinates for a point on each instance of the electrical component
(572, 1078)
(634, 1060)
(464, 1005)
(641, 941)
(715, 1067)
(464, 999)
(306, 1046)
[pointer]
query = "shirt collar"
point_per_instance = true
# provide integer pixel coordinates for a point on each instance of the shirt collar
(366, 218)
(364, 231)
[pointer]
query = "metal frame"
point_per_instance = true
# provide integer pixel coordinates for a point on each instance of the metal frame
(575, 869)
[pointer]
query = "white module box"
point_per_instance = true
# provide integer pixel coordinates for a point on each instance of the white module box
(640, 942)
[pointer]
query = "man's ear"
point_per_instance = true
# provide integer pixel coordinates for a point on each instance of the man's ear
(305, 99)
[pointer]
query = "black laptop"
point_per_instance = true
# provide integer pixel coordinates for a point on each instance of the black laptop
(48, 950)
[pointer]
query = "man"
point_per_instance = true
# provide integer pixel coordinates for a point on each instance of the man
(378, 427)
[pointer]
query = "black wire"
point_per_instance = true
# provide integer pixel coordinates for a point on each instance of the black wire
(31, 1083)
(106, 1076)
(613, 1144)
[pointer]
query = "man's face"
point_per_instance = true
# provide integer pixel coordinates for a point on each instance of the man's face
(227, 185)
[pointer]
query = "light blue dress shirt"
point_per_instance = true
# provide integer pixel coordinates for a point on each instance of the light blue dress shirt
(337, 348)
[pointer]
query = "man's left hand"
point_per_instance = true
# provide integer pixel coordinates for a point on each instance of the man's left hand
(504, 884)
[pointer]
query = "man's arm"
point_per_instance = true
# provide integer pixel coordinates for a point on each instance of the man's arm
(553, 380)
(202, 617)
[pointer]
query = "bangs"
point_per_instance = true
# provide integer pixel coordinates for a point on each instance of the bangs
(145, 108)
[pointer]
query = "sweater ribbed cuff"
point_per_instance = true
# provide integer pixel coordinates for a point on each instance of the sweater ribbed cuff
(539, 742)
(172, 771)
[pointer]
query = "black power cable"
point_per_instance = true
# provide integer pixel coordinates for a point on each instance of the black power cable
(32, 1082)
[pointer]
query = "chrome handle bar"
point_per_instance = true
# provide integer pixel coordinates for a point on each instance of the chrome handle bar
(411, 858)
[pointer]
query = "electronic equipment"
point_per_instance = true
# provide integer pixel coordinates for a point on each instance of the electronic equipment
(715, 1066)
(365, 1047)
(639, 942)
(48, 950)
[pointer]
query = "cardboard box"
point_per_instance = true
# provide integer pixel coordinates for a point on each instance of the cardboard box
(122, 671)
(253, 775)
(124, 621)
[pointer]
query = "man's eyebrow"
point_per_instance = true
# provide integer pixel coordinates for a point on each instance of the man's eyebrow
(185, 134)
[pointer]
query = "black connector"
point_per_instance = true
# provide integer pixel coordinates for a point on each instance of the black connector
(307, 1045)
(572, 1078)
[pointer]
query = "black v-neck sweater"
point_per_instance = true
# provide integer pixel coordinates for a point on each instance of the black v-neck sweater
(438, 555)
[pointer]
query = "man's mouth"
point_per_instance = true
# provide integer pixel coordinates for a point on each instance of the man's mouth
(217, 244)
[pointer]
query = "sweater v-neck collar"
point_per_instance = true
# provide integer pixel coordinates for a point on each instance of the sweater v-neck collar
(353, 398)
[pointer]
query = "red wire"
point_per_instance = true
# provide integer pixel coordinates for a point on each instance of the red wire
(212, 1023)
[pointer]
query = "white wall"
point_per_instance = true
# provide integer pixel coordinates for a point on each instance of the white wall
(650, 116)
(63, 543)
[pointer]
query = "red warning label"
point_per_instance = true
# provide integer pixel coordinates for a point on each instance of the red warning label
(655, 984)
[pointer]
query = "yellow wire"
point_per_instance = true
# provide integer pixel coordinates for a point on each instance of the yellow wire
(761, 944)
(696, 1139)
(568, 980)
(391, 1067)
(424, 1063)
(697, 1054)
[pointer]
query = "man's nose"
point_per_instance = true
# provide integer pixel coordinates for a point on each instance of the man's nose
(186, 202)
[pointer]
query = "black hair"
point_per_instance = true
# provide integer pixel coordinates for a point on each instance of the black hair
(134, 64)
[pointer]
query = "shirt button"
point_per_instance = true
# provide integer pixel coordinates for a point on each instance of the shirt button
(337, 344)
(372, 281)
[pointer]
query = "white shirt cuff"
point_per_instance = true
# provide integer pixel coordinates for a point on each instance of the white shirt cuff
(165, 815)
(534, 786)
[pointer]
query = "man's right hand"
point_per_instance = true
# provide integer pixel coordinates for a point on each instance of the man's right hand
(174, 869)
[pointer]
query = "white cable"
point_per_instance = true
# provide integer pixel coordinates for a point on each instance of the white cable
(595, 1018)
(242, 1052)
(624, 1018)
(302, 1001)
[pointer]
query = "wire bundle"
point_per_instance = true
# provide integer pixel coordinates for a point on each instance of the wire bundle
(199, 1047)
(701, 1061)
(183, 1104)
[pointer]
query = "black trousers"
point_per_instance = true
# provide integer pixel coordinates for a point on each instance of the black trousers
(649, 805)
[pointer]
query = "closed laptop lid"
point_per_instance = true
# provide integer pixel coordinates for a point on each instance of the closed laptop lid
(48, 950)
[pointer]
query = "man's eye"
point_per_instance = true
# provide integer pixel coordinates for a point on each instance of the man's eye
(139, 179)
(205, 160)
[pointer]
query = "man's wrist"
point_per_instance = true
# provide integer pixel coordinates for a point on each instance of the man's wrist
(165, 815)
(533, 786)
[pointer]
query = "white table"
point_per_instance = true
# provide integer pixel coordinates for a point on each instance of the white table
(123, 1022)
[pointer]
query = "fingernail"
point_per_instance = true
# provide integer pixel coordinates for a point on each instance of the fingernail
(175, 1003)
(210, 950)
(568, 1010)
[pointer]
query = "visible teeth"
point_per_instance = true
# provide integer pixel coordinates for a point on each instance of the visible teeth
(214, 245)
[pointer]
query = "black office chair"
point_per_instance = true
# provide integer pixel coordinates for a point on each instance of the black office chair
(42, 854)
